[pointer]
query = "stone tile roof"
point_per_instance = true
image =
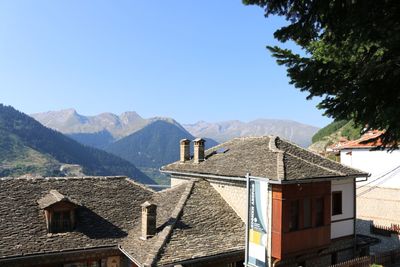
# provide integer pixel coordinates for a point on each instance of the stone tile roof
(144, 251)
(192, 219)
(200, 224)
(52, 198)
(371, 139)
(109, 208)
(267, 156)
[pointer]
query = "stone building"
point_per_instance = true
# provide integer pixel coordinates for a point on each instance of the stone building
(199, 221)
(113, 221)
(312, 199)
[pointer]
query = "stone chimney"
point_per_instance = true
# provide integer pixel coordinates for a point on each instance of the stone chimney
(149, 218)
(185, 150)
(198, 150)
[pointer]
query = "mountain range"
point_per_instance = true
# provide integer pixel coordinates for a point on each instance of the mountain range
(223, 131)
(99, 130)
(104, 129)
(28, 147)
(154, 142)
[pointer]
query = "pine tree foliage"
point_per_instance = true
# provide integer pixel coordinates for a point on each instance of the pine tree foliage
(351, 57)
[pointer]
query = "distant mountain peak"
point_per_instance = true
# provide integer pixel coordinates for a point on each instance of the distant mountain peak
(130, 117)
(224, 130)
(69, 110)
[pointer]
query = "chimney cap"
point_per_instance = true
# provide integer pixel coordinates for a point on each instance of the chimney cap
(148, 204)
(184, 140)
(198, 140)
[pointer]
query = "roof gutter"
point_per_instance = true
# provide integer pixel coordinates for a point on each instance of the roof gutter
(238, 253)
(232, 178)
(129, 256)
(59, 253)
(243, 179)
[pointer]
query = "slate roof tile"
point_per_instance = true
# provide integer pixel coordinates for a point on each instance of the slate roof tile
(266, 156)
(109, 208)
(202, 224)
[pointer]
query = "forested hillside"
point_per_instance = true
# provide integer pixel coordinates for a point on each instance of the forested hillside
(333, 132)
(25, 142)
(155, 145)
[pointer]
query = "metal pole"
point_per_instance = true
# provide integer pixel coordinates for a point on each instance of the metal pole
(246, 257)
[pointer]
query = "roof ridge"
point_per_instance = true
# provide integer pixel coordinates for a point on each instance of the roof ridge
(62, 177)
(318, 166)
(316, 154)
(280, 163)
(57, 195)
(172, 188)
(133, 182)
(240, 138)
(166, 232)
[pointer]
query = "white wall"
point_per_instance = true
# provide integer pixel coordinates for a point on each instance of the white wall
(177, 181)
(377, 163)
(343, 224)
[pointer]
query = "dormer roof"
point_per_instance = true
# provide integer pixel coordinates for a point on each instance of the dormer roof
(54, 197)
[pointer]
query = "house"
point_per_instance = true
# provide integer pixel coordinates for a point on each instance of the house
(312, 199)
(113, 222)
(67, 221)
(378, 198)
(199, 221)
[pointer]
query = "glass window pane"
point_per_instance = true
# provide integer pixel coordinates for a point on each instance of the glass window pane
(307, 212)
(319, 212)
(294, 215)
(337, 203)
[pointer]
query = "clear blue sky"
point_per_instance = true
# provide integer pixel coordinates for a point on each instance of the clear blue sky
(190, 60)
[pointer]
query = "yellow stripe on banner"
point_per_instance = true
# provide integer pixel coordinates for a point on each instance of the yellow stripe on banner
(255, 237)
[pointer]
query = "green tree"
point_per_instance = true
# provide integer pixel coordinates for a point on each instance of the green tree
(351, 57)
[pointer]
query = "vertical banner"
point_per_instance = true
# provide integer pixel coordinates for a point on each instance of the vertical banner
(257, 223)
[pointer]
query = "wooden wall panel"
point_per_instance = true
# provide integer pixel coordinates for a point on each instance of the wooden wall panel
(276, 221)
(285, 242)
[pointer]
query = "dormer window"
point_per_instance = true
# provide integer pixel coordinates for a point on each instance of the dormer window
(61, 221)
(59, 212)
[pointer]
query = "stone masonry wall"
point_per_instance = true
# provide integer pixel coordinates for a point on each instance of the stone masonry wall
(381, 205)
(234, 193)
